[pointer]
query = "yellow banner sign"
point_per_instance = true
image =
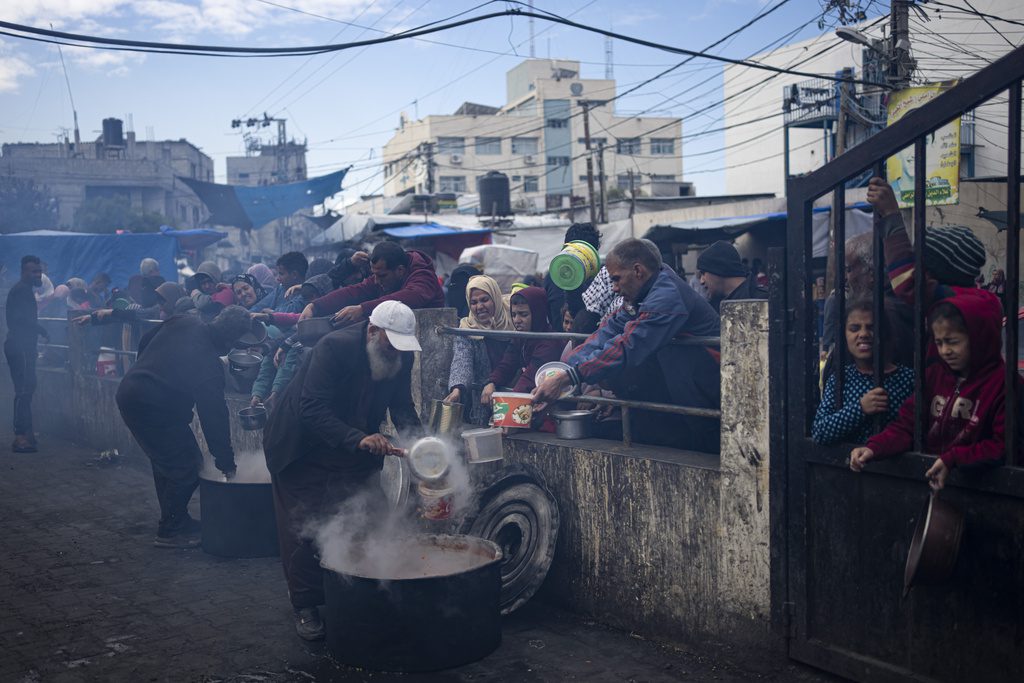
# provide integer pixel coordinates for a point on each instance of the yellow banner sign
(942, 151)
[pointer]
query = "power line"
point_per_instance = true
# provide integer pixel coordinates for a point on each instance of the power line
(99, 42)
(975, 12)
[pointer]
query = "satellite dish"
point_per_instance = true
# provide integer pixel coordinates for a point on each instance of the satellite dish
(576, 89)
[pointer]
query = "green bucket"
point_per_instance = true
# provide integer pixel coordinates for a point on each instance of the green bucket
(575, 264)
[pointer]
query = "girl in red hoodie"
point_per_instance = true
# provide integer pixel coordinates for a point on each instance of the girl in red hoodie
(964, 389)
(522, 359)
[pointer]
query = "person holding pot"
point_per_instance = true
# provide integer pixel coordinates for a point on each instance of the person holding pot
(178, 369)
(474, 357)
(323, 443)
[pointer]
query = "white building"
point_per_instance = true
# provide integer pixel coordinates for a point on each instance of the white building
(537, 139)
(952, 44)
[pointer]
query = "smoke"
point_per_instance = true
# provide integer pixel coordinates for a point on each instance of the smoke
(365, 536)
(252, 468)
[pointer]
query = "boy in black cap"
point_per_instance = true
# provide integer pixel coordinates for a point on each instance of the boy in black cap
(726, 278)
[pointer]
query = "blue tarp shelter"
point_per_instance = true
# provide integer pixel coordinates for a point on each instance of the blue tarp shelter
(78, 254)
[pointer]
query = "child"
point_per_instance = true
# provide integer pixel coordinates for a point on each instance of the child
(965, 392)
(854, 421)
(529, 308)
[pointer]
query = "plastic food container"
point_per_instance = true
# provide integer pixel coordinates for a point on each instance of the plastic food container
(435, 503)
(512, 409)
(552, 368)
(577, 262)
(483, 445)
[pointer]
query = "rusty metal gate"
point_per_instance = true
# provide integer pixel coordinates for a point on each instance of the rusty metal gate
(843, 537)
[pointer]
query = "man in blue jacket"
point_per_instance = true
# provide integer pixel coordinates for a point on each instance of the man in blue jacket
(632, 352)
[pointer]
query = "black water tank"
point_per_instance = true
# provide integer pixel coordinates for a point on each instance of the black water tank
(494, 195)
(113, 133)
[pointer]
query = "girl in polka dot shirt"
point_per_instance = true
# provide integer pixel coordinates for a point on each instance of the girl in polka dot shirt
(854, 421)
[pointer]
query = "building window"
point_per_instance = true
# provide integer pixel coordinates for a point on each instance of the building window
(594, 142)
(524, 145)
(659, 178)
(557, 123)
(192, 168)
(558, 161)
(243, 176)
(195, 216)
(451, 145)
(597, 178)
(488, 145)
(628, 146)
(622, 181)
(531, 183)
(663, 146)
(453, 183)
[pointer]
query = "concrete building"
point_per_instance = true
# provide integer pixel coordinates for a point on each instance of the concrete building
(949, 45)
(537, 139)
(115, 164)
(269, 165)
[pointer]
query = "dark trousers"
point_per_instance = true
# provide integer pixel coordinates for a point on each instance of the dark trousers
(306, 496)
(22, 363)
(176, 459)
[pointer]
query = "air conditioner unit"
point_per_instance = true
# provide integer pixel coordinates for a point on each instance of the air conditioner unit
(529, 160)
(456, 158)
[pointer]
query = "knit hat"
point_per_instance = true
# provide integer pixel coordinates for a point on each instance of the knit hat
(721, 259)
(953, 255)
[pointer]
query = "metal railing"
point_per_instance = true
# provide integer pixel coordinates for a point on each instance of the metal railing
(624, 405)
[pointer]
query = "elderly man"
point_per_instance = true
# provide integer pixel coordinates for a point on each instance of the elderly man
(323, 443)
(178, 369)
(632, 351)
(397, 275)
(23, 330)
(725, 276)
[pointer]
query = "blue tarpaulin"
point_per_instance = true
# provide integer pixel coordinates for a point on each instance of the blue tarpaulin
(253, 207)
(84, 255)
(192, 240)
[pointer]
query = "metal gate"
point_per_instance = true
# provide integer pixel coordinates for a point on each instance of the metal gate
(838, 582)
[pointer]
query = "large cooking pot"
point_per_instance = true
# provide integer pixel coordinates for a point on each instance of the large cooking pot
(436, 609)
(935, 544)
(573, 424)
(253, 417)
(238, 519)
(241, 361)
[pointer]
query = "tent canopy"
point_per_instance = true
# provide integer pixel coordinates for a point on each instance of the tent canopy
(192, 240)
(84, 255)
(708, 230)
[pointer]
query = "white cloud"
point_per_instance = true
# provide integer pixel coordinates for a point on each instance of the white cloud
(11, 70)
(106, 61)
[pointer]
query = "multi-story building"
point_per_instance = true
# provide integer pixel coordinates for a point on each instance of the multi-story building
(114, 165)
(949, 45)
(269, 165)
(537, 139)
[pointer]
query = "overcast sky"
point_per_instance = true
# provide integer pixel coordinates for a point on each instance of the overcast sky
(347, 104)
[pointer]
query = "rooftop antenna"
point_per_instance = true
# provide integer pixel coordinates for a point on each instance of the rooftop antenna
(533, 51)
(78, 136)
(609, 66)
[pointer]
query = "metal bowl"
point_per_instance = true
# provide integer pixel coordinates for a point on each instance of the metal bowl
(254, 337)
(935, 544)
(253, 418)
(573, 424)
(240, 361)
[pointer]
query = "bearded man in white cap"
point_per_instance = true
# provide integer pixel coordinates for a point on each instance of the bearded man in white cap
(323, 443)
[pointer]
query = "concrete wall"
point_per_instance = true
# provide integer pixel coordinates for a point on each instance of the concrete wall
(670, 544)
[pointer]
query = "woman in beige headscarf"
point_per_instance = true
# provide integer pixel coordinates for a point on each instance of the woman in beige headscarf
(473, 357)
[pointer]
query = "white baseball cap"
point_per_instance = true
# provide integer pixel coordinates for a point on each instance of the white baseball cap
(399, 322)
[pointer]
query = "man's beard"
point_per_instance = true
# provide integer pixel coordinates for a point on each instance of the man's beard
(382, 367)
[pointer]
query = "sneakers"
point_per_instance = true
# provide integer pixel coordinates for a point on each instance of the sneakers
(22, 444)
(180, 539)
(308, 624)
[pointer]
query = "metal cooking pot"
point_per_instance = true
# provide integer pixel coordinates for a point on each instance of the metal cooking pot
(310, 330)
(241, 361)
(254, 337)
(238, 519)
(444, 417)
(574, 424)
(414, 622)
(935, 544)
(253, 418)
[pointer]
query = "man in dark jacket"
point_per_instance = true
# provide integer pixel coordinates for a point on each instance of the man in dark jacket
(633, 354)
(20, 349)
(178, 368)
(726, 278)
(322, 441)
(397, 275)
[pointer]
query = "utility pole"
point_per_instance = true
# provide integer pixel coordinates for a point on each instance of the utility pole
(590, 160)
(533, 52)
(632, 195)
(601, 182)
(427, 149)
(901, 64)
